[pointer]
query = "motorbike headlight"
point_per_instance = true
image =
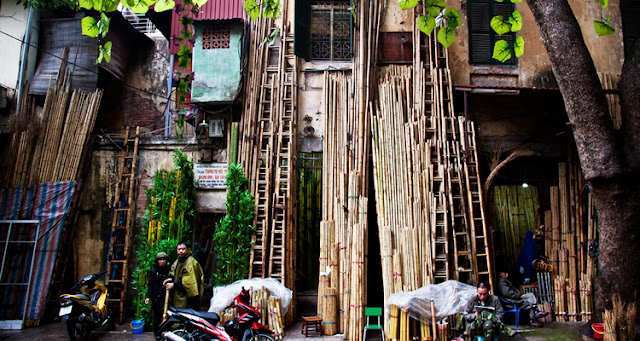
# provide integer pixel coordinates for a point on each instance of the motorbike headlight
(65, 301)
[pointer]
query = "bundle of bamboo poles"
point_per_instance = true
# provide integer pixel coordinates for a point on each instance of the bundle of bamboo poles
(559, 284)
(330, 317)
(227, 315)
(624, 315)
(54, 149)
(275, 317)
(609, 319)
(260, 300)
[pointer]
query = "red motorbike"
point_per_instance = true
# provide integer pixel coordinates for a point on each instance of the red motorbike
(191, 325)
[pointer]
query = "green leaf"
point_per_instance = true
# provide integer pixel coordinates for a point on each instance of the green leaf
(97, 5)
(200, 3)
(272, 10)
(110, 5)
(252, 8)
(434, 7)
(499, 25)
(501, 51)
(164, 5)
(602, 28)
(453, 17)
(446, 36)
(604, 3)
(103, 24)
(107, 51)
(499, 1)
(90, 27)
(516, 21)
(518, 46)
(426, 24)
(515, 1)
(88, 4)
(140, 8)
(407, 4)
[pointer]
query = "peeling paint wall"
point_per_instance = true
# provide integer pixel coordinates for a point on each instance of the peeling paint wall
(217, 70)
(91, 235)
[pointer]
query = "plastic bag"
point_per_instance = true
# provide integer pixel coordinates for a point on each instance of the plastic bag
(449, 298)
(224, 295)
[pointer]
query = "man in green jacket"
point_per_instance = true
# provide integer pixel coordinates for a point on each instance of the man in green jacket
(511, 294)
(484, 313)
(185, 279)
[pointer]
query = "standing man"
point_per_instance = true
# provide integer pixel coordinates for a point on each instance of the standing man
(185, 279)
(510, 293)
(484, 314)
(155, 288)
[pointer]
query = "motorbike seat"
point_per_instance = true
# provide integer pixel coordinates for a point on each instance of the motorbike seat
(82, 297)
(212, 318)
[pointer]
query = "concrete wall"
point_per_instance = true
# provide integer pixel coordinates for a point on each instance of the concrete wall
(217, 71)
(13, 21)
(91, 236)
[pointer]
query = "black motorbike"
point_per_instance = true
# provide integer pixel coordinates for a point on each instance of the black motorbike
(86, 309)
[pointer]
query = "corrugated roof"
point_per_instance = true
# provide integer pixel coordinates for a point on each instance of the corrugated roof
(212, 10)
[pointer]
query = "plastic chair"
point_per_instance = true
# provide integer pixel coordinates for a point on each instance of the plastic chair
(373, 312)
(515, 310)
(482, 338)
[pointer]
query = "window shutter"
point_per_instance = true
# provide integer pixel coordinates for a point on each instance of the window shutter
(302, 29)
(479, 33)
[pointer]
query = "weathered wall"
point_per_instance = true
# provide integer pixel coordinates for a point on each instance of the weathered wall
(217, 71)
(143, 100)
(534, 67)
(13, 21)
(91, 235)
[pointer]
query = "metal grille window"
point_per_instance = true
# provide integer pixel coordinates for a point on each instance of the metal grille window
(330, 30)
(482, 37)
(216, 35)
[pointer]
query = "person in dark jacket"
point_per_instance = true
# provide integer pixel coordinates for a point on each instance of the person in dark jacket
(511, 294)
(156, 291)
(484, 314)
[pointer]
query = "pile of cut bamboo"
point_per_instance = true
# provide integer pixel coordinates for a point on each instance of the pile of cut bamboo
(570, 229)
(51, 148)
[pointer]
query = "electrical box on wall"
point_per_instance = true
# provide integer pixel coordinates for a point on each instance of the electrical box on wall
(216, 128)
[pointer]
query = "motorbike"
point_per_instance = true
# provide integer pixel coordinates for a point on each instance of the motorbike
(86, 309)
(195, 326)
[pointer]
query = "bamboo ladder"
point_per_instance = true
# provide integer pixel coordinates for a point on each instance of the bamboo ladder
(121, 226)
(264, 163)
(483, 268)
(282, 203)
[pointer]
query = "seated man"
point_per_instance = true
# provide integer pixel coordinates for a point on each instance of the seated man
(510, 293)
(484, 314)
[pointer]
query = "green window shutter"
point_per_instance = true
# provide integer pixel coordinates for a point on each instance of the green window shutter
(482, 37)
(302, 29)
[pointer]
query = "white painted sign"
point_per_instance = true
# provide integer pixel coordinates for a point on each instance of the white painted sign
(210, 175)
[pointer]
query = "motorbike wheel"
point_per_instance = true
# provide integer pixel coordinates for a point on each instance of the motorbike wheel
(183, 333)
(258, 337)
(76, 331)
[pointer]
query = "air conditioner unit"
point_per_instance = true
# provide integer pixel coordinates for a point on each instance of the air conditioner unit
(216, 128)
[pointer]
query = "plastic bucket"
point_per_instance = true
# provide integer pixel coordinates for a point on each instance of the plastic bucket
(137, 326)
(598, 330)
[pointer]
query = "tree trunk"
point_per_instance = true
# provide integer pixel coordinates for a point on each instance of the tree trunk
(609, 167)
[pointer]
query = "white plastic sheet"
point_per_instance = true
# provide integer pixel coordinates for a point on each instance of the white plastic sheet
(449, 298)
(224, 295)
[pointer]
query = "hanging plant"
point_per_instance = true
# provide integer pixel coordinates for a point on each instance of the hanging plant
(232, 238)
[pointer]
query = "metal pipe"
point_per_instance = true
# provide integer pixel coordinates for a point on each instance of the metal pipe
(167, 119)
(23, 60)
(33, 260)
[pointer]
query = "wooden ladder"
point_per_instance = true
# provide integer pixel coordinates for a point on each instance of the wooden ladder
(463, 254)
(268, 120)
(475, 205)
(121, 226)
(279, 260)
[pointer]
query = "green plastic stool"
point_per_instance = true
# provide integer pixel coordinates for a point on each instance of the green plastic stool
(373, 312)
